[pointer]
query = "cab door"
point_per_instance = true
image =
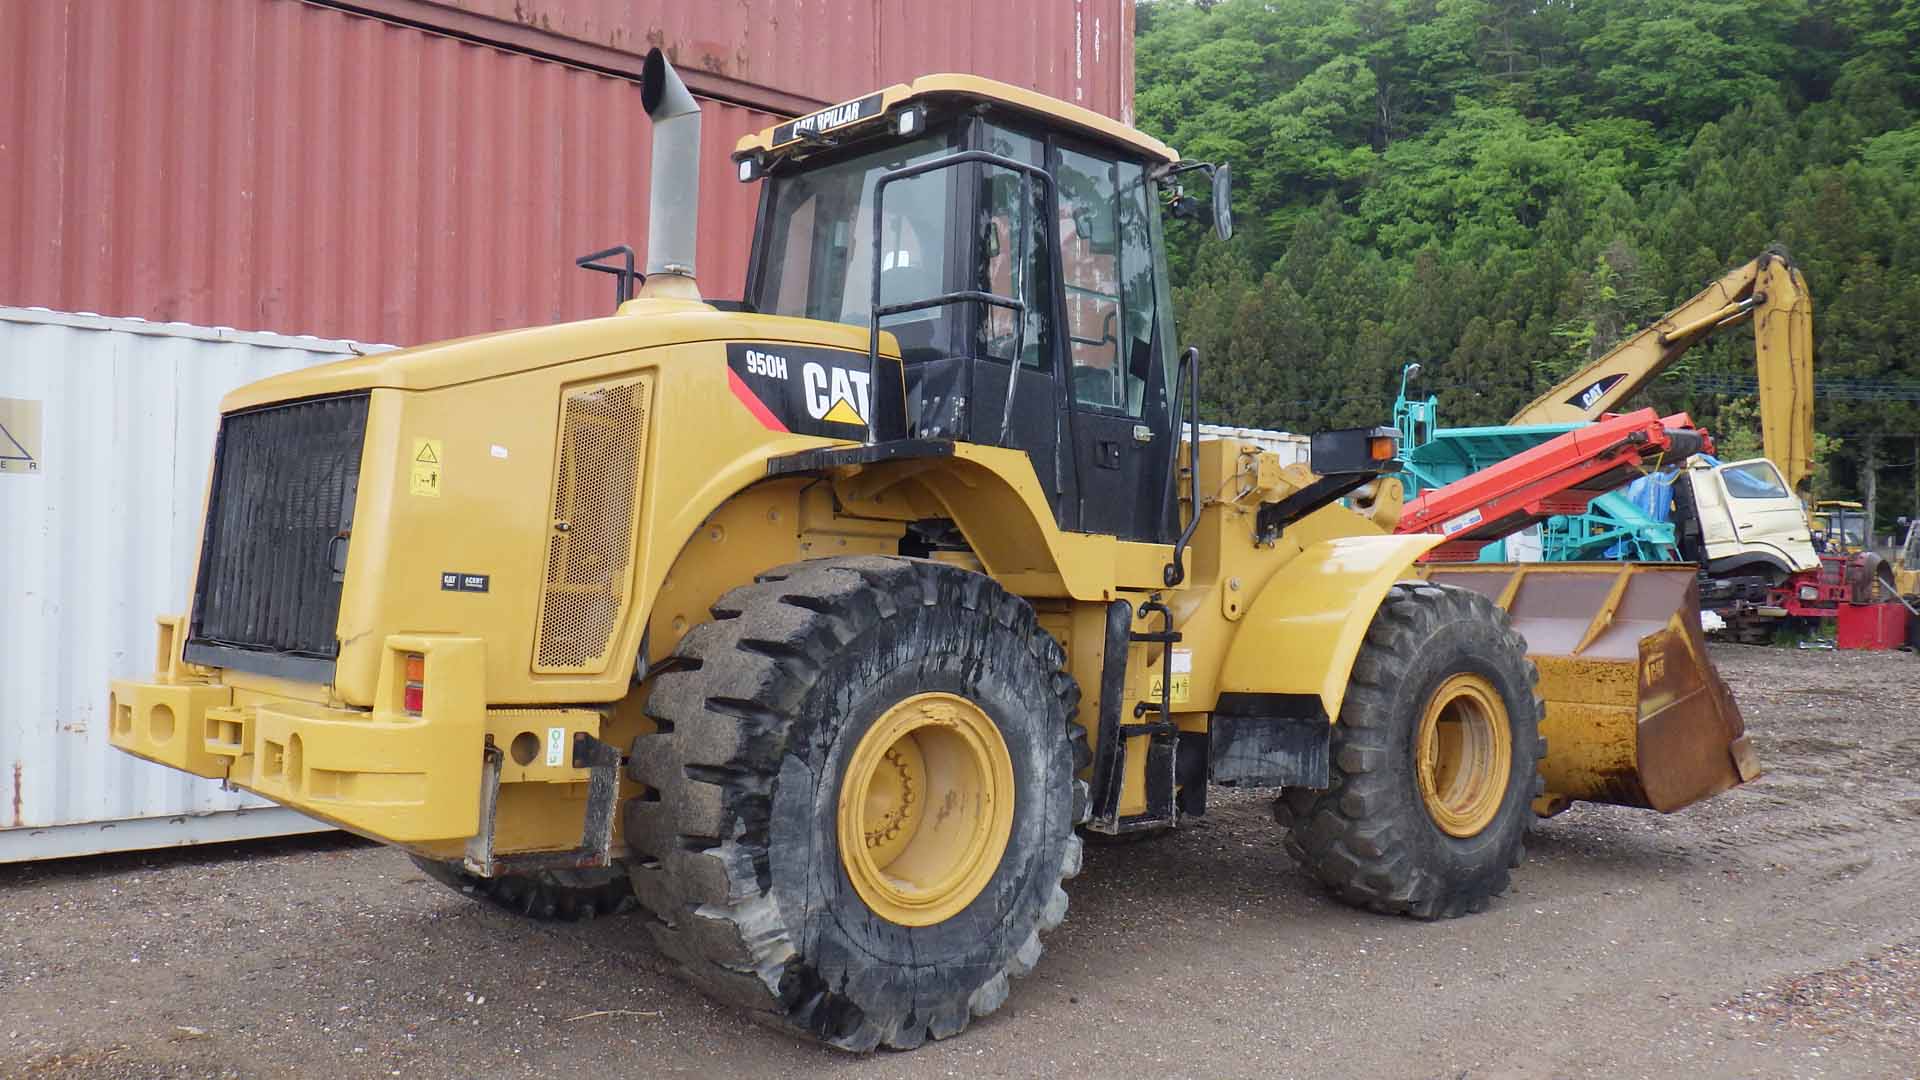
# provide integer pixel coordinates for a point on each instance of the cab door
(1014, 258)
(1710, 510)
(1116, 342)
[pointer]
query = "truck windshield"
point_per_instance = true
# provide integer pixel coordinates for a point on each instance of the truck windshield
(818, 262)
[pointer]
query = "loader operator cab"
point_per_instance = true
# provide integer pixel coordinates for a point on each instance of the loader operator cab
(1016, 256)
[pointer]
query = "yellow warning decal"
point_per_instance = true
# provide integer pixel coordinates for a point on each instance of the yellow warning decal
(1182, 679)
(19, 435)
(425, 469)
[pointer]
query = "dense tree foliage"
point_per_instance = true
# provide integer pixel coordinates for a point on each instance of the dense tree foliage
(1502, 190)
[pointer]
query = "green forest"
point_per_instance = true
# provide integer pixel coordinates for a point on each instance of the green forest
(1502, 190)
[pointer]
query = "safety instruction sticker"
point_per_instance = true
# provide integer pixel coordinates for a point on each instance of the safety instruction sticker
(424, 478)
(1182, 665)
(1465, 521)
(19, 435)
(556, 742)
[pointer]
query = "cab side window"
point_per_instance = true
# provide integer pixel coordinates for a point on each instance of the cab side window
(1006, 230)
(1754, 480)
(1090, 273)
(1106, 267)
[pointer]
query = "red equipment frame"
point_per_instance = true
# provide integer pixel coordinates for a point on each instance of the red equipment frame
(1561, 476)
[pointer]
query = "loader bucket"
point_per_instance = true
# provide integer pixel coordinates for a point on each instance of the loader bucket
(1636, 715)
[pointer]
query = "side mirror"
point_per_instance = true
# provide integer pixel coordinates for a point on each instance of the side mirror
(1223, 201)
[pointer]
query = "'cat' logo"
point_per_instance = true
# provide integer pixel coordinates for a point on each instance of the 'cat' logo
(1587, 398)
(835, 394)
(814, 390)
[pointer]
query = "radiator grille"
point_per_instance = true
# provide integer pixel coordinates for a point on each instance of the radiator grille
(280, 507)
(602, 439)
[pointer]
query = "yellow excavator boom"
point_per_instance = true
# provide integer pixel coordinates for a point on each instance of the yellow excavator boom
(1767, 290)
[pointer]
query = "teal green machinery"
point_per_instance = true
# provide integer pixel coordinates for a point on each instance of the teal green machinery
(1631, 524)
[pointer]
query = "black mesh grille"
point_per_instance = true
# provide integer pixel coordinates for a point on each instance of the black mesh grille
(284, 480)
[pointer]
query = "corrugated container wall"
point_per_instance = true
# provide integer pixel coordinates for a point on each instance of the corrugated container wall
(831, 50)
(433, 171)
(97, 538)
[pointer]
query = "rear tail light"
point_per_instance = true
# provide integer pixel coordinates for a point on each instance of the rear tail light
(416, 688)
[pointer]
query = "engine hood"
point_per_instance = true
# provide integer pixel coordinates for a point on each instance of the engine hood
(639, 324)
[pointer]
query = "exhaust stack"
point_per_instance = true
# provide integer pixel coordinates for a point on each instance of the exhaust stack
(674, 200)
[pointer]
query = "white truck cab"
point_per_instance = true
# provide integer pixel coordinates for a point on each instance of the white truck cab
(1749, 520)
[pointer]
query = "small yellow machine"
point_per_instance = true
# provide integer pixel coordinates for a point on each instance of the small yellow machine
(1906, 561)
(1842, 526)
(820, 626)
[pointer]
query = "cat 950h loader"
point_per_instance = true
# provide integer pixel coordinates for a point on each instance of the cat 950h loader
(820, 626)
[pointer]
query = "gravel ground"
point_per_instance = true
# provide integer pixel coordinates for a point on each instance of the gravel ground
(1771, 932)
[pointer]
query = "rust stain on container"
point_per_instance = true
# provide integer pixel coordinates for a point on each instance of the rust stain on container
(18, 793)
(283, 165)
(1077, 50)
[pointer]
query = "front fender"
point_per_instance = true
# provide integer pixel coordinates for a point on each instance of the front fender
(1302, 632)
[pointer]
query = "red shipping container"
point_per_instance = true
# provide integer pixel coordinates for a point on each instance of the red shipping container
(433, 171)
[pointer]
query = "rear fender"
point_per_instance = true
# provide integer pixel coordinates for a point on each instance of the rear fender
(1303, 630)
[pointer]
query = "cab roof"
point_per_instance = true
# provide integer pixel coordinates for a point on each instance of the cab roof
(1051, 111)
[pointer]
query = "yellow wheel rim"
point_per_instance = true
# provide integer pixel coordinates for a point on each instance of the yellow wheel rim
(925, 809)
(1463, 754)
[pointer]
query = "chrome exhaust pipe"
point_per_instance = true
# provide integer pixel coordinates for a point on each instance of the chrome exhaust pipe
(673, 203)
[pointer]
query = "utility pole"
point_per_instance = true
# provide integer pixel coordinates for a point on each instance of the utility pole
(1871, 482)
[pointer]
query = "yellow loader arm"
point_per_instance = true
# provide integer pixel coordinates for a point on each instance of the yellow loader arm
(1768, 290)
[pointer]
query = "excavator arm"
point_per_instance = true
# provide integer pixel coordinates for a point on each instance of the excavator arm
(1770, 292)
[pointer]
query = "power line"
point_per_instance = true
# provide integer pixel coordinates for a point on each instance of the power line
(1703, 385)
(1843, 389)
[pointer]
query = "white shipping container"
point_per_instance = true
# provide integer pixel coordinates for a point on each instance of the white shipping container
(101, 488)
(1292, 449)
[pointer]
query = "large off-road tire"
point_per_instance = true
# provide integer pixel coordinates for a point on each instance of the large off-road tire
(560, 895)
(841, 698)
(1434, 761)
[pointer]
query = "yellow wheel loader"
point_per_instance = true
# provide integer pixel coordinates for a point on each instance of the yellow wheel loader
(821, 625)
